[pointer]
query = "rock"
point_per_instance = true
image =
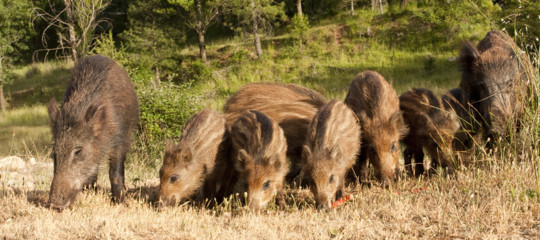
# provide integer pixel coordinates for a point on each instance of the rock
(15, 180)
(12, 163)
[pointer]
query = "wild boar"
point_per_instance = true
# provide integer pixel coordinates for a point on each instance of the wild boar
(431, 127)
(96, 121)
(376, 104)
(291, 106)
(494, 80)
(330, 151)
(193, 168)
(259, 155)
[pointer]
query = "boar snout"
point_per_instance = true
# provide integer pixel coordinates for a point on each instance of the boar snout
(323, 202)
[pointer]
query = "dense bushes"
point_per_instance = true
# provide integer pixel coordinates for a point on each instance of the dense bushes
(164, 111)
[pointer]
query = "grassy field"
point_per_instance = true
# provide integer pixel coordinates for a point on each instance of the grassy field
(493, 195)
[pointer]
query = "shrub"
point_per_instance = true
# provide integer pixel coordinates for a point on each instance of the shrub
(164, 111)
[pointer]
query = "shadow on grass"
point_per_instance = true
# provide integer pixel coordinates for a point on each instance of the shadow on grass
(37, 88)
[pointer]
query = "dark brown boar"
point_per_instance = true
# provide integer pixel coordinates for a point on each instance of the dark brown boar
(330, 151)
(494, 80)
(96, 121)
(193, 168)
(291, 106)
(259, 155)
(376, 104)
(431, 127)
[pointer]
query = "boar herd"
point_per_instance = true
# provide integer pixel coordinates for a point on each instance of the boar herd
(271, 134)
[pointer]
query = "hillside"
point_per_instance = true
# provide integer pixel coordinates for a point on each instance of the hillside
(494, 194)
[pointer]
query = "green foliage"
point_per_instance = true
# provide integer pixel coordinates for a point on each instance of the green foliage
(269, 13)
(522, 20)
(164, 111)
(444, 27)
(195, 72)
(153, 40)
(15, 31)
(106, 47)
(299, 27)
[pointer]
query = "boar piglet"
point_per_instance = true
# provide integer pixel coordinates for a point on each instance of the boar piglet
(259, 155)
(495, 80)
(376, 104)
(431, 127)
(454, 100)
(95, 123)
(330, 151)
(291, 106)
(193, 168)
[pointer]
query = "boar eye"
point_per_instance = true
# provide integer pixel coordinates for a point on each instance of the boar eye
(331, 179)
(77, 152)
(393, 147)
(266, 185)
(173, 178)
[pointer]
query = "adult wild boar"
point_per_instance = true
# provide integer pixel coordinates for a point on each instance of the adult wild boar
(494, 80)
(376, 104)
(330, 151)
(194, 167)
(431, 127)
(96, 121)
(259, 155)
(291, 106)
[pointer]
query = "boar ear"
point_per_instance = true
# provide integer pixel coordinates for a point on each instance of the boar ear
(242, 160)
(398, 121)
(97, 119)
(467, 59)
(187, 155)
(54, 113)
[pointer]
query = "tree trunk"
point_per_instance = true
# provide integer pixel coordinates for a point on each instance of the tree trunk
(299, 7)
(200, 32)
(71, 30)
(403, 4)
(2, 99)
(380, 6)
(352, 7)
(157, 81)
(258, 47)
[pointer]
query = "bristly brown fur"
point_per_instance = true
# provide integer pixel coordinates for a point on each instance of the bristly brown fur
(99, 113)
(291, 106)
(330, 150)
(495, 82)
(377, 106)
(431, 128)
(196, 165)
(259, 155)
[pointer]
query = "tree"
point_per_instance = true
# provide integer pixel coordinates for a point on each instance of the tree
(75, 23)
(299, 7)
(257, 15)
(152, 39)
(14, 30)
(199, 15)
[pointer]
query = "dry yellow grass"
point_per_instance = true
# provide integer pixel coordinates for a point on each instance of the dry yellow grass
(495, 199)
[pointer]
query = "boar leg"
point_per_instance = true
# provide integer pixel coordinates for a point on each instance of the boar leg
(209, 189)
(361, 167)
(116, 175)
(280, 199)
(416, 152)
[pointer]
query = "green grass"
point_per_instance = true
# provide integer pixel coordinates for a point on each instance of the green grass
(24, 131)
(38, 83)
